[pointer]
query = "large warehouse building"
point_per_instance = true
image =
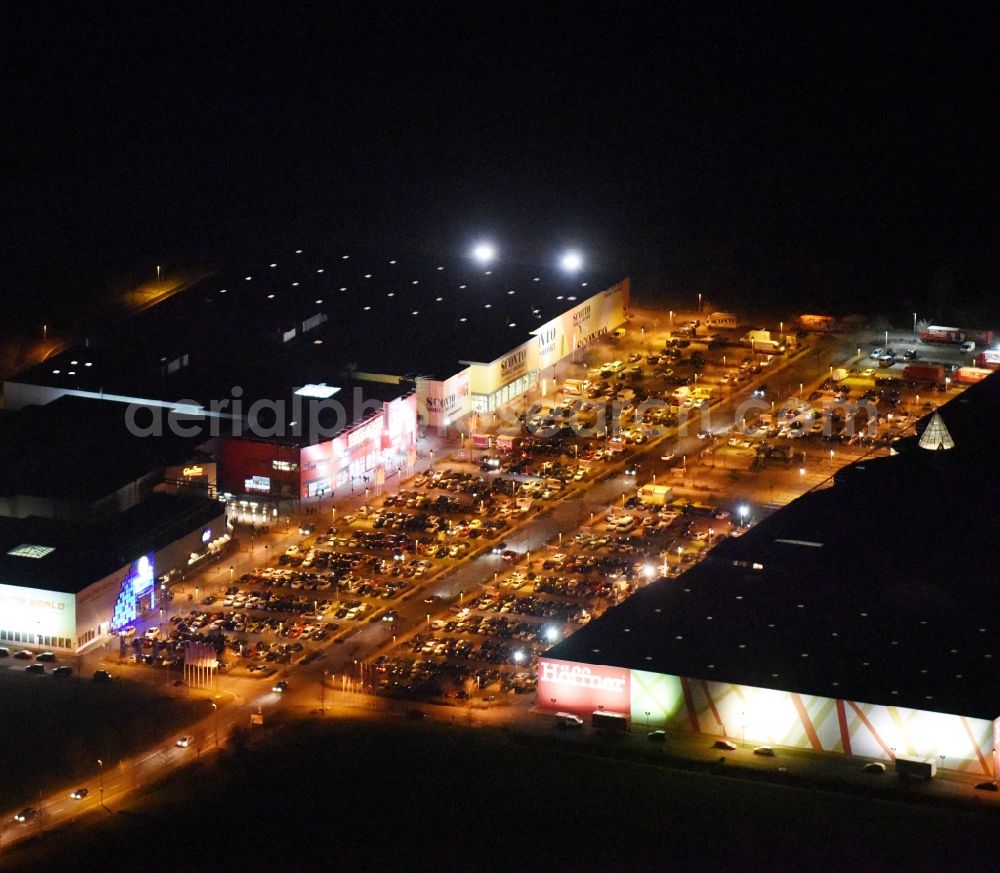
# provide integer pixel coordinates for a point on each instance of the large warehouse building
(860, 619)
(403, 343)
(92, 522)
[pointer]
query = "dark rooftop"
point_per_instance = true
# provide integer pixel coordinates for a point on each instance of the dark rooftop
(349, 310)
(79, 449)
(881, 589)
(83, 553)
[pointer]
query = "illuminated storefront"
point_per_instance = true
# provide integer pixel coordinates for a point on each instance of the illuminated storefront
(507, 378)
(767, 716)
(31, 616)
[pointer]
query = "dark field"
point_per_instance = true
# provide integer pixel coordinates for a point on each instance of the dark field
(352, 795)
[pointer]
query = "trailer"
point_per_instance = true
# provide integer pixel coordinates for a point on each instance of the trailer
(612, 722)
(915, 768)
(932, 373)
(971, 375)
(937, 334)
(654, 495)
(989, 359)
(767, 347)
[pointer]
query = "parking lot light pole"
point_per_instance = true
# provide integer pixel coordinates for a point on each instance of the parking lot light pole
(215, 713)
(100, 763)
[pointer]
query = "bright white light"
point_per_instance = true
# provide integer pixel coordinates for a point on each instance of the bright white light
(571, 262)
(649, 570)
(551, 634)
(322, 390)
(518, 656)
(744, 510)
(484, 253)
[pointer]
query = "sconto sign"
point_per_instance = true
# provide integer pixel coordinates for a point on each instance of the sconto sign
(513, 365)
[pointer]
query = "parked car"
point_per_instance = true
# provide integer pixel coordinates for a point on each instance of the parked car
(35, 668)
(765, 751)
(725, 745)
(63, 670)
(873, 767)
(102, 676)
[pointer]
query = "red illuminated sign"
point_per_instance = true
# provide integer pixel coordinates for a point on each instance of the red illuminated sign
(563, 685)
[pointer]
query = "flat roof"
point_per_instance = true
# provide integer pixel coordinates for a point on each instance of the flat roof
(79, 449)
(371, 312)
(881, 589)
(73, 555)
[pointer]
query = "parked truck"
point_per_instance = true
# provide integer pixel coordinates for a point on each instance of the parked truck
(722, 320)
(971, 375)
(767, 347)
(612, 722)
(923, 373)
(752, 336)
(989, 359)
(937, 334)
(914, 767)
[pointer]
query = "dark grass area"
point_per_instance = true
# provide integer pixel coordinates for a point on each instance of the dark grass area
(56, 729)
(399, 796)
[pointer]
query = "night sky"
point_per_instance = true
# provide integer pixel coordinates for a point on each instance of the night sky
(839, 156)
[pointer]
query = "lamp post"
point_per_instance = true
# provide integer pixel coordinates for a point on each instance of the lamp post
(100, 763)
(215, 715)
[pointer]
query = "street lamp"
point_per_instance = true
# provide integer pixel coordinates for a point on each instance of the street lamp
(571, 261)
(484, 253)
(699, 302)
(215, 713)
(101, 765)
(744, 512)
(551, 634)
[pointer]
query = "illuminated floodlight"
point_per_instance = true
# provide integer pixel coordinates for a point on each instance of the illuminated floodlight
(649, 570)
(518, 656)
(484, 252)
(551, 634)
(571, 261)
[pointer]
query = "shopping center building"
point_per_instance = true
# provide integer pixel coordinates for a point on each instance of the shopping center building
(857, 620)
(94, 521)
(257, 356)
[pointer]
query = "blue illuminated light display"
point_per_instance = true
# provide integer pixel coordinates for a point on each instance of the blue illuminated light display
(138, 582)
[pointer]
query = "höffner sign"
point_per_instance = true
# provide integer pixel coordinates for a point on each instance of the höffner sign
(580, 677)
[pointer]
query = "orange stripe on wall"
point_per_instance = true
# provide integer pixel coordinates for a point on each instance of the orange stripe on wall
(975, 745)
(871, 730)
(711, 703)
(807, 723)
(689, 703)
(845, 733)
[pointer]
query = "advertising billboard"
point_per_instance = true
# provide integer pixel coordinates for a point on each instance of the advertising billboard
(37, 612)
(583, 688)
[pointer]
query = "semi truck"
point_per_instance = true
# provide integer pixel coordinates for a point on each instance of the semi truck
(914, 767)
(612, 722)
(753, 336)
(937, 334)
(971, 375)
(722, 321)
(767, 347)
(989, 359)
(923, 373)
